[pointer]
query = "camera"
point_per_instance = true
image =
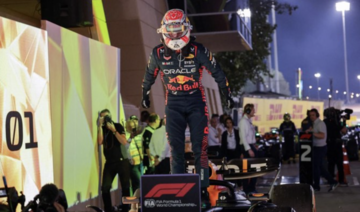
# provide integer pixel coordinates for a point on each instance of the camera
(107, 119)
(44, 201)
(339, 116)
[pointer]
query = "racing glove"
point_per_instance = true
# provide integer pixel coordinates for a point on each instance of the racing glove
(145, 102)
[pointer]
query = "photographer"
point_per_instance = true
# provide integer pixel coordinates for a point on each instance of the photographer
(135, 151)
(50, 199)
(335, 130)
(112, 135)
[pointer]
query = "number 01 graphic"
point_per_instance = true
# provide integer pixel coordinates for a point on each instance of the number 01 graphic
(10, 135)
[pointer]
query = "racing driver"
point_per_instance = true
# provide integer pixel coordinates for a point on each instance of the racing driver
(181, 63)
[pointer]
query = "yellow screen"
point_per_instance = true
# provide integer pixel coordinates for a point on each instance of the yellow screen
(53, 82)
(25, 119)
(84, 79)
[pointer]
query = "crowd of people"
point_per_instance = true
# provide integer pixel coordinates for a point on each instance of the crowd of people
(149, 152)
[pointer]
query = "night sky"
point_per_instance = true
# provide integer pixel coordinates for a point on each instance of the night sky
(312, 39)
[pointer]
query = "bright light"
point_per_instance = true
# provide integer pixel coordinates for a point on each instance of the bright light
(328, 90)
(352, 94)
(330, 96)
(297, 85)
(244, 13)
(358, 76)
(317, 75)
(310, 87)
(344, 92)
(342, 6)
(336, 91)
(352, 97)
(357, 95)
(319, 88)
(307, 97)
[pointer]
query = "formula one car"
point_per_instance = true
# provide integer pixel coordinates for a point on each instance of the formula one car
(225, 197)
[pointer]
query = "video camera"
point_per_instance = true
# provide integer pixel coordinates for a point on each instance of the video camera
(340, 116)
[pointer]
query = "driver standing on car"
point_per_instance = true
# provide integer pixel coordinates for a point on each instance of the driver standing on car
(181, 63)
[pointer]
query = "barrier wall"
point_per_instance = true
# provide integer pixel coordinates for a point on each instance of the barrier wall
(269, 112)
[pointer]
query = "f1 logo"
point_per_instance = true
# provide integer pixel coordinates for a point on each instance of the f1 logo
(179, 189)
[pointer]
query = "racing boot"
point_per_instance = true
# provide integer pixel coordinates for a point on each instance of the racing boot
(205, 200)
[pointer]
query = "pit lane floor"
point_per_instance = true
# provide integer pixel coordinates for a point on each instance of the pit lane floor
(342, 199)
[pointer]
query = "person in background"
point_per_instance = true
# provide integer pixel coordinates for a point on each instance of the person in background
(335, 157)
(287, 130)
(230, 141)
(139, 128)
(160, 150)
(214, 137)
(319, 151)
(248, 142)
(154, 122)
(306, 123)
(135, 151)
(222, 125)
(144, 119)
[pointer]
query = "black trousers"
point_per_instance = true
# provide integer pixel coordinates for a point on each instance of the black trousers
(188, 110)
(319, 170)
(288, 147)
(335, 158)
(148, 169)
(163, 167)
(110, 171)
(249, 185)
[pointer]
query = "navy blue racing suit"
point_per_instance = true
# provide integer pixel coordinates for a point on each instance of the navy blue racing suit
(185, 101)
